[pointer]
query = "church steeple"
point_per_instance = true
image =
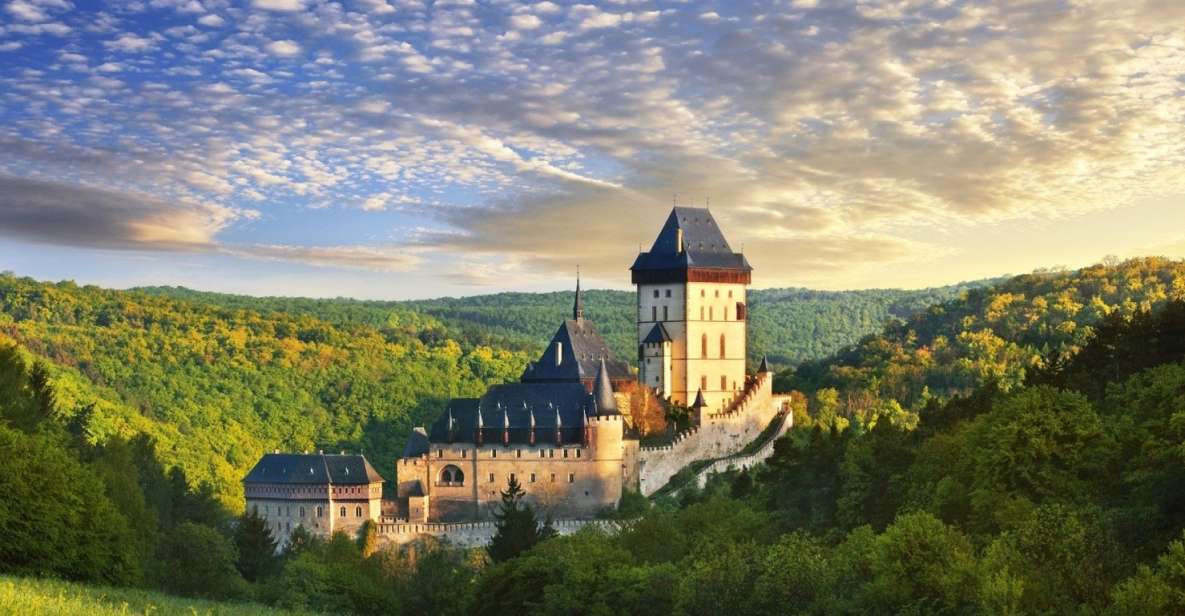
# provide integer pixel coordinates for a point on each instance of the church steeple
(578, 305)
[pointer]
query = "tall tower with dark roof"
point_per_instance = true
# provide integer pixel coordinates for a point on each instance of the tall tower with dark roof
(692, 312)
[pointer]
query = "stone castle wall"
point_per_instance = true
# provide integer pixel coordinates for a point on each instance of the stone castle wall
(473, 534)
(718, 435)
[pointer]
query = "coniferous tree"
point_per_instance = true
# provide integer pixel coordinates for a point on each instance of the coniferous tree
(518, 529)
(257, 547)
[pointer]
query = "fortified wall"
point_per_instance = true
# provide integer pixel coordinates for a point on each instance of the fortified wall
(717, 435)
(473, 534)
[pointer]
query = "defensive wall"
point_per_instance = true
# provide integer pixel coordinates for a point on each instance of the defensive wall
(718, 435)
(473, 534)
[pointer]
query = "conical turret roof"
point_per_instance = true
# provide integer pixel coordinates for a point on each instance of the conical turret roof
(603, 392)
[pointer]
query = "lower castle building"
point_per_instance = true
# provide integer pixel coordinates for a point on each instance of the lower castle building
(325, 493)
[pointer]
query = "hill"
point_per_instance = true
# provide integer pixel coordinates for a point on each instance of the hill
(216, 386)
(997, 334)
(790, 325)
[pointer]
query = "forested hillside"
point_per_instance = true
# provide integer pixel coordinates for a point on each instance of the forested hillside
(216, 386)
(999, 334)
(788, 325)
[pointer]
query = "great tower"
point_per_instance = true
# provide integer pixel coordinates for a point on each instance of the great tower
(692, 312)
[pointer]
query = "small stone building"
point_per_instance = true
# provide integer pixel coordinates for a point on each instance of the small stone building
(325, 493)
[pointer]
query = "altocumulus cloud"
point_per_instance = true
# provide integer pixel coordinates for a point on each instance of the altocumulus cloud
(521, 136)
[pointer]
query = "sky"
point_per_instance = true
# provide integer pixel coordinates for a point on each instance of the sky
(404, 149)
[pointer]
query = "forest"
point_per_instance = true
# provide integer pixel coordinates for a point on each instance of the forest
(1017, 450)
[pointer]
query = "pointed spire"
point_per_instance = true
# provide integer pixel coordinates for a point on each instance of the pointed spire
(603, 392)
(578, 305)
(699, 400)
(764, 365)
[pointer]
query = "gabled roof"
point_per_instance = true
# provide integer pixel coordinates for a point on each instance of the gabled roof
(702, 246)
(658, 334)
(318, 468)
(581, 350)
(511, 407)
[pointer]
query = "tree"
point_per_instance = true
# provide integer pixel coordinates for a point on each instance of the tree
(518, 530)
(197, 561)
(256, 547)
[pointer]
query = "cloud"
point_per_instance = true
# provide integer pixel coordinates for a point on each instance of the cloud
(283, 48)
(75, 215)
(279, 5)
(131, 43)
(525, 22)
(354, 257)
(211, 20)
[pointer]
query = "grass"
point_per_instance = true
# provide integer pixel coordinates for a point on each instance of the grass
(44, 597)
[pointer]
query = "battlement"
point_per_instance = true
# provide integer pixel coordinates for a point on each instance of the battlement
(718, 435)
(473, 534)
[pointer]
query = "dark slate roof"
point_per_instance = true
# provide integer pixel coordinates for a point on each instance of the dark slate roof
(704, 245)
(513, 405)
(603, 392)
(658, 334)
(319, 468)
(417, 443)
(764, 367)
(581, 354)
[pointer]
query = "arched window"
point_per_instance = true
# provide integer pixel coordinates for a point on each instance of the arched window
(721, 347)
(451, 476)
(320, 512)
(342, 513)
(358, 512)
(704, 346)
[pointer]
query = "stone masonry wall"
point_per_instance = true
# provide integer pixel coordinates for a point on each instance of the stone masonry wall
(473, 534)
(718, 435)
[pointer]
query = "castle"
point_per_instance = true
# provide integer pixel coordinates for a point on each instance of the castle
(564, 431)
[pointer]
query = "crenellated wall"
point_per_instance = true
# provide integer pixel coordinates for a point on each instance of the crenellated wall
(473, 534)
(718, 435)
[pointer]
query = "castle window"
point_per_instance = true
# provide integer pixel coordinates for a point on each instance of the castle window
(464, 453)
(565, 453)
(542, 453)
(491, 478)
(730, 293)
(702, 293)
(302, 512)
(439, 453)
(571, 477)
(451, 476)
(320, 512)
(518, 453)
(577, 453)
(342, 512)
(668, 292)
(656, 293)
(493, 453)
(532, 477)
(553, 477)
(664, 313)
(358, 512)
(711, 313)
(721, 346)
(654, 313)
(723, 383)
(703, 350)
(726, 313)
(701, 313)
(717, 292)
(703, 382)
(513, 476)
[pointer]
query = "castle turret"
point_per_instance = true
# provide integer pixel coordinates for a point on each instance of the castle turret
(603, 392)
